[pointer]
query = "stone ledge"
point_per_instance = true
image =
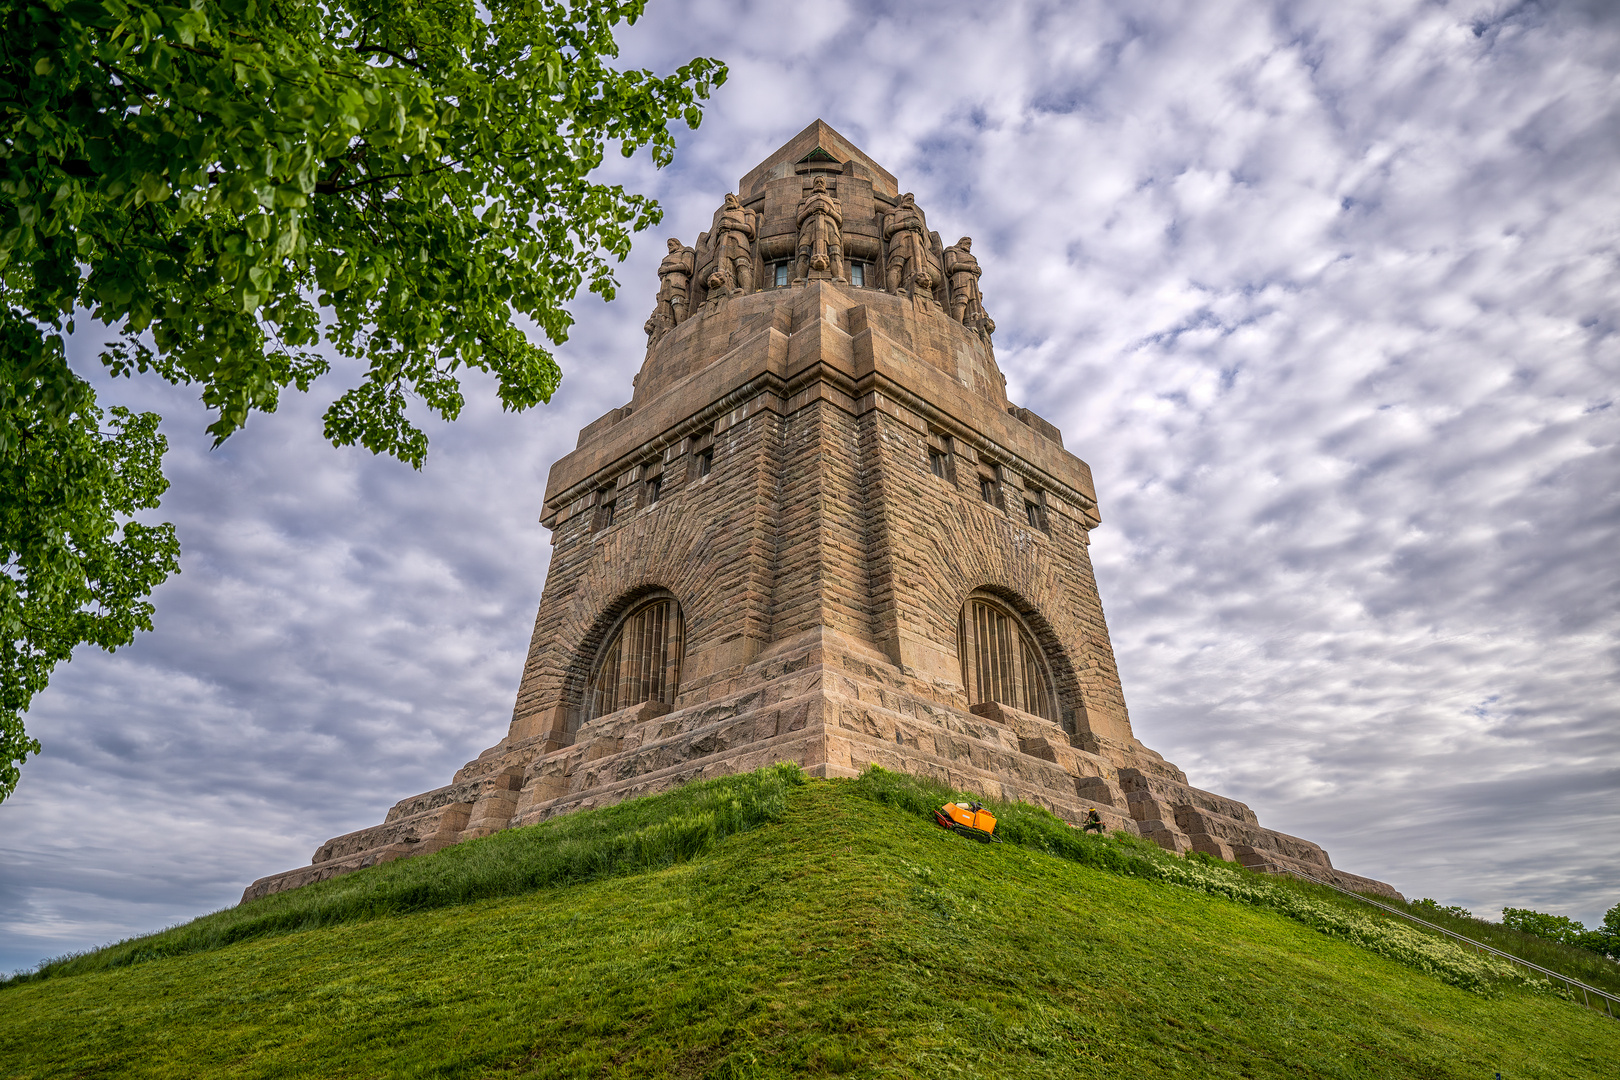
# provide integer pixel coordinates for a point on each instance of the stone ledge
(1129, 755)
(462, 791)
(1269, 862)
(308, 875)
(742, 759)
(1222, 836)
(978, 780)
(1165, 834)
(1135, 781)
(443, 821)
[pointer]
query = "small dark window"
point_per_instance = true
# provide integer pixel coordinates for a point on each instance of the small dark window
(705, 461)
(939, 456)
(1035, 508)
(781, 274)
(857, 276)
(605, 501)
(987, 489)
(654, 486)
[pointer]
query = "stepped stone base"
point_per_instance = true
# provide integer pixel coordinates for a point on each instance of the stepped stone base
(834, 705)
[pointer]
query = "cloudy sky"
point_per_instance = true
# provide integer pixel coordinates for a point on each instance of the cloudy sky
(1326, 293)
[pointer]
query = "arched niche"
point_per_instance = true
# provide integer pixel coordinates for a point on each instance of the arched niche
(639, 659)
(1003, 659)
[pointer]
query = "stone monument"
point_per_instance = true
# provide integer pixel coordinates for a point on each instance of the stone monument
(819, 532)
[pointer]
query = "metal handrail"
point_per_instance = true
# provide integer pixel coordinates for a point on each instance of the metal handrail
(1609, 1000)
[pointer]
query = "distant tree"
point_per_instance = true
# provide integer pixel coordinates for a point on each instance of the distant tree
(228, 184)
(1551, 927)
(1605, 939)
(1434, 907)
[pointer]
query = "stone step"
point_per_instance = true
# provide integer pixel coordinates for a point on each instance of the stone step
(1221, 836)
(443, 821)
(990, 781)
(1163, 831)
(1173, 793)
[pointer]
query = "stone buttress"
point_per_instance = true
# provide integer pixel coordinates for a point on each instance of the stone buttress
(819, 532)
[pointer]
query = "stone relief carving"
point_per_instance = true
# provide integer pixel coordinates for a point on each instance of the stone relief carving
(674, 289)
(735, 272)
(913, 262)
(820, 221)
(967, 302)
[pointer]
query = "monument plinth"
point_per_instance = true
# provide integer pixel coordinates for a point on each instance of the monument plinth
(819, 532)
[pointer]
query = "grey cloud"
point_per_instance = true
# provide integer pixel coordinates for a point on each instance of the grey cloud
(1324, 293)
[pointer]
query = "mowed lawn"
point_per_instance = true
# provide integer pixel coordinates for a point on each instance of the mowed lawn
(848, 938)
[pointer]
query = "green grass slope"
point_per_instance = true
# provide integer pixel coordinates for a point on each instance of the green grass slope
(771, 927)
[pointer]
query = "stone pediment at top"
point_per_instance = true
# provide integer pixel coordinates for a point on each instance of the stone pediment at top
(816, 143)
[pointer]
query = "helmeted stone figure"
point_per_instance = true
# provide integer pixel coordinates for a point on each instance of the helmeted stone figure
(820, 532)
(674, 289)
(908, 246)
(967, 302)
(820, 221)
(736, 262)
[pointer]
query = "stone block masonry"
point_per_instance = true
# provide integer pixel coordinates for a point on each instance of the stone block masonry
(861, 552)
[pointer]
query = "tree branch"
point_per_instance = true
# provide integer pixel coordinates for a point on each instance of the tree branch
(330, 187)
(363, 49)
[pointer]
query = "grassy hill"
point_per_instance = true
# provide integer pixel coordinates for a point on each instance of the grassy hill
(771, 926)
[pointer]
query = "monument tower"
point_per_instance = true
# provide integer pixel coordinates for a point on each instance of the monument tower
(819, 532)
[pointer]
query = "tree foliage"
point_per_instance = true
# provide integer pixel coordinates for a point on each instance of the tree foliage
(77, 569)
(238, 189)
(1605, 939)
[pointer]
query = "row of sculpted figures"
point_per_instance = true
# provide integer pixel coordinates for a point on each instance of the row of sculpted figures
(911, 263)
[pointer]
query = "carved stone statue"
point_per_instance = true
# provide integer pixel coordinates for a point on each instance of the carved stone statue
(821, 244)
(675, 280)
(674, 289)
(735, 246)
(908, 245)
(921, 289)
(967, 302)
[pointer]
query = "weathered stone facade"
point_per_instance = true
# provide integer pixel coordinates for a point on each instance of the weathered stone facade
(821, 468)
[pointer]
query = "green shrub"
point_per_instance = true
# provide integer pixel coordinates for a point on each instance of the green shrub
(1433, 907)
(1577, 961)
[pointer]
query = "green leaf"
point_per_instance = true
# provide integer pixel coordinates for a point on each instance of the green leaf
(78, 571)
(195, 174)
